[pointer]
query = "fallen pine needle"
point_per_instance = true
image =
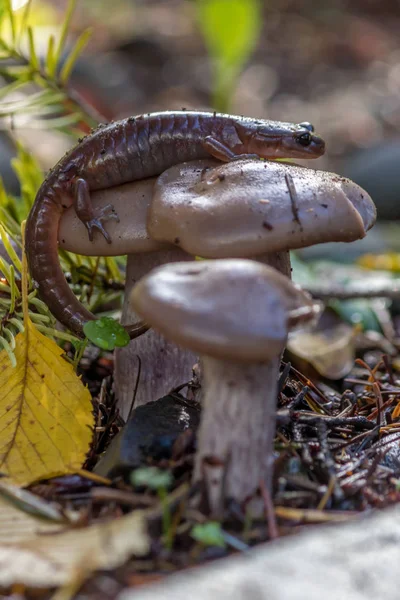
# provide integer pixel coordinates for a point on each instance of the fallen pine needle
(313, 515)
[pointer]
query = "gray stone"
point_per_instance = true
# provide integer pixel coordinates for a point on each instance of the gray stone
(353, 561)
(149, 433)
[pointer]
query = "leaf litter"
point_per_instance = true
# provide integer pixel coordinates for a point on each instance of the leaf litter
(337, 456)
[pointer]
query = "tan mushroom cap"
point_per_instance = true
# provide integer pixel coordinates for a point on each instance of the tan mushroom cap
(131, 202)
(236, 309)
(246, 208)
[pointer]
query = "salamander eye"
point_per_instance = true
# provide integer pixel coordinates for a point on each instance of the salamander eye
(307, 125)
(304, 139)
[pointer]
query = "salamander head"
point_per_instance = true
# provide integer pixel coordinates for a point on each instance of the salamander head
(273, 139)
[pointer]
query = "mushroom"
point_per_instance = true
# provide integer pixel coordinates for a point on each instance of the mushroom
(158, 364)
(236, 314)
(256, 209)
(248, 208)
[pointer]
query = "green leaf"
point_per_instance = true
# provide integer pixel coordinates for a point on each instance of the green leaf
(32, 51)
(51, 62)
(14, 290)
(16, 71)
(357, 312)
(106, 333)
(2, 15)
(74, 54)
(34, 102)
(5, 268)
(9, 249)
(24, 20)
(64, 30)
(11, 87)
(9, 10)
(4, 345)
(62, 123)
(209, 534)
(30, 177)
(151, 477)
(111, 265)
(230, 30)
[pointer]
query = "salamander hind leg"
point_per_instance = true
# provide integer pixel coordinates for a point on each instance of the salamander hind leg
(86, 214)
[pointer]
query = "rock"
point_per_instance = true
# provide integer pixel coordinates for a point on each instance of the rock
(150, 432)
(353, 561)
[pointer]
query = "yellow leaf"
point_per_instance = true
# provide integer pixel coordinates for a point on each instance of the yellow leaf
(46, 416)
(389, 261)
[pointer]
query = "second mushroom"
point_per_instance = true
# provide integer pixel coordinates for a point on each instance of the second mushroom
(236, 314)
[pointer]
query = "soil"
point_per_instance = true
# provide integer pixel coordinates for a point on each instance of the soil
(337, 455)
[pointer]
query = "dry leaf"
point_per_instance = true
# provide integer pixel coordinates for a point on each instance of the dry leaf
(330, 351)
(25, 501)
(44, 558)
(17, 525)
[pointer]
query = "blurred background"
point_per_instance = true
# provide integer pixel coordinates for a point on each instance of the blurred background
(336, 64)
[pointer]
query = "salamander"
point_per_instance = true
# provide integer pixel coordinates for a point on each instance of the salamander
(132, 149)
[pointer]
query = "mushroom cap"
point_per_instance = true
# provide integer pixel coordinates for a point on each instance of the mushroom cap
(128, 236)
(250, 207)
(236, 309)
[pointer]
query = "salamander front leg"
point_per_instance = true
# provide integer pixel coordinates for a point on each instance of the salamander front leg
(85, 212)
(218, 150)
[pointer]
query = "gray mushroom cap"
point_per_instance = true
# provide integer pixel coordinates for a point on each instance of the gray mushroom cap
(129, 235)
(246, 208)
(242, 208)
(236, 309)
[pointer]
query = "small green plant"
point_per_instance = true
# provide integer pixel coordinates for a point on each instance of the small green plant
(106, 333)
(230, 30)
(159, 481)
(209, 534)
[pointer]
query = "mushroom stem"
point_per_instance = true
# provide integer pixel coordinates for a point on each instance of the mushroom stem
(235, 442)
(277, 260)
(159, 364)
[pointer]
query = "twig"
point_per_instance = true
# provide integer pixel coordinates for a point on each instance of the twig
(122, 497)
(388, 366)
(341, 292)
(269, 512)
(284, 417)
(313, 515)
(328, 493)
(380, 418)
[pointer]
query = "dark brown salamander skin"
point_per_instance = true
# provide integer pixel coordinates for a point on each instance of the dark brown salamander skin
(132, 149)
